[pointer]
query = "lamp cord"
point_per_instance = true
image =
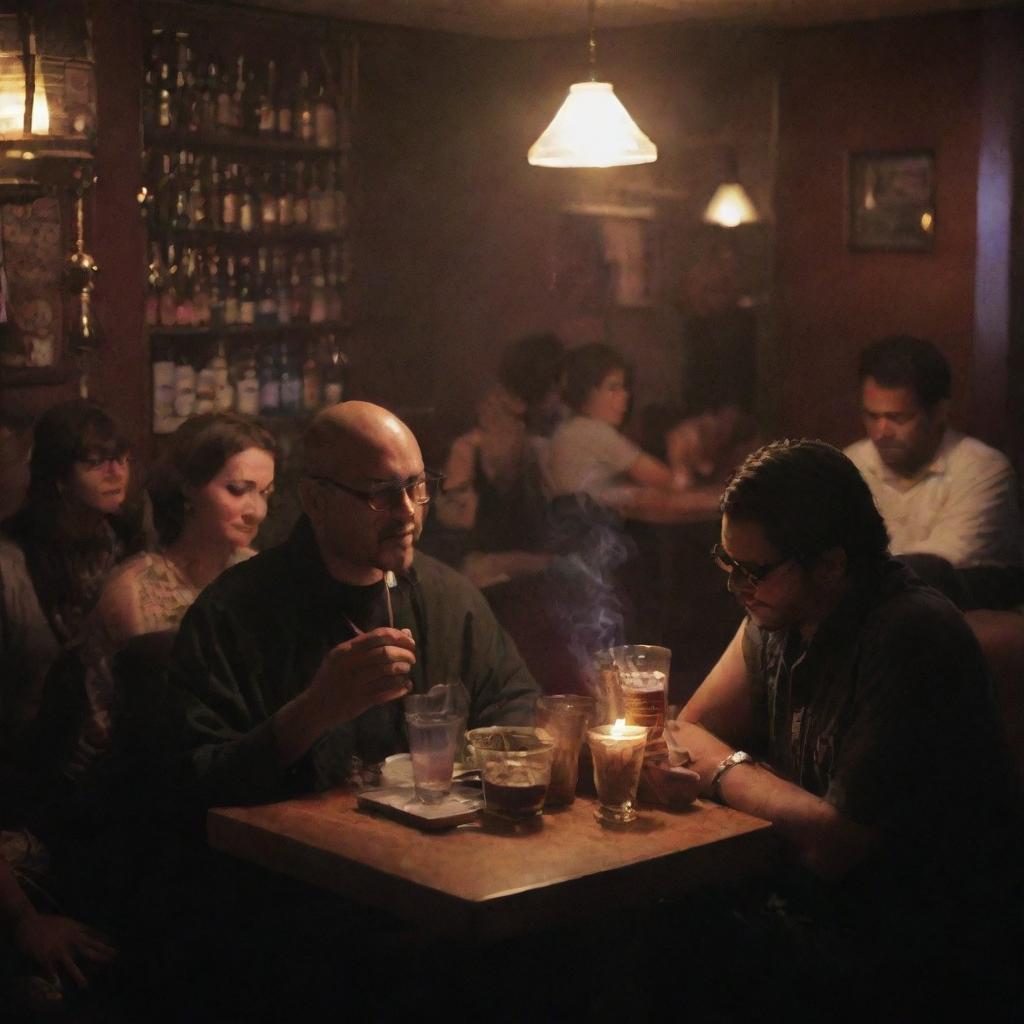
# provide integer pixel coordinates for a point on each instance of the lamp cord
(592, 42)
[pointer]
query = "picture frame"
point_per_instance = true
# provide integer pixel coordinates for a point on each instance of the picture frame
(891, 199)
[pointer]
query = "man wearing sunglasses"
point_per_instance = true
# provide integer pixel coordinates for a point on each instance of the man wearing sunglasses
(292, 670)
(852, 709)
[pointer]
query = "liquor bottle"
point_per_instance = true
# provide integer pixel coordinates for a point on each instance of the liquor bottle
(208, 97)
(184, 386)
(246, 298)
(168, 311)
(328, 221)
(325, 120)
(335, 373)
(202, 296)
(267, 126)
(283, 285)
(223, 392)
(206, 388)
(165, 100)
(283, 110)
(197, 193)
(248, 205)
(317, 289)
(184, 315)
(270, 383)
(247, 385)
(300, 199)
(302, 124)
(312, 379)
(164, 191)
(230, 292)
(269, 191)
(214, 200)
(291, 380)
(285, 198)
(316, 197)
(225, 111)
(151, 83)
(266, 292)
(154, 285)
(299, 289)
(251, 104)
(218, 285)
(163, 389)
(334, 299)
(182, 183)
(182, 93)
(230, 200)
(238, 95)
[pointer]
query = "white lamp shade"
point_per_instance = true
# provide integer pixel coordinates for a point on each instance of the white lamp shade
(592, 129)
(730, 206)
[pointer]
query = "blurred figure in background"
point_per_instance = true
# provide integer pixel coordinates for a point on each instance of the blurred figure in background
(493, 492)
(590, 455)
(949, 502)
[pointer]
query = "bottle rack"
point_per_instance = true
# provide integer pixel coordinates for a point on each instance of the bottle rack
(245, 163)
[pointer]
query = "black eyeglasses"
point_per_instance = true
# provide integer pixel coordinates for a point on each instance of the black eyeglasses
(383, 499)
(750, 574)
(93, 462)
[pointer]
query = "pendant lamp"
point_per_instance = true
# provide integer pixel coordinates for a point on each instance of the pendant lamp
(730, 206)
(592, 128)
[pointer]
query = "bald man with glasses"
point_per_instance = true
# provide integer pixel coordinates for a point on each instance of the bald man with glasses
(291, 672)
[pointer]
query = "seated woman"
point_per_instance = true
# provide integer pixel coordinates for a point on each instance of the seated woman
(493, 494)
(58, 549)
(209, 493)
(589, 455)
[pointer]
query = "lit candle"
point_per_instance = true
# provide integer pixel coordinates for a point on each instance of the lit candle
(618, 753)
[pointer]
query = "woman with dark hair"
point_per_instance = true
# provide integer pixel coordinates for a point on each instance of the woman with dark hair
(209, 492)
(58, 549)
(589, 455)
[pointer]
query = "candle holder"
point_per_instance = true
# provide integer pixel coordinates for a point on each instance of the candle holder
(618, 754)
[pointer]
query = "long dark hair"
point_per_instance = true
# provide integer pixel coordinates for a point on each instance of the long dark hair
(67, 548)
(197, 452)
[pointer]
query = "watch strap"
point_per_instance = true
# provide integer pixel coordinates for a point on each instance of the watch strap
(735, 758)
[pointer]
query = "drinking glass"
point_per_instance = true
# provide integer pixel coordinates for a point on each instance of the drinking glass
(618, 753)
(515, 766)
(434, 723)
(565, 716)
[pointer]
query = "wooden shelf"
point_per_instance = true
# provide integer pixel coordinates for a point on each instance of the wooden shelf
(234, 142)
(246, 330)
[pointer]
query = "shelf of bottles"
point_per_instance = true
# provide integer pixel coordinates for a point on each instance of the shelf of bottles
(244, 199)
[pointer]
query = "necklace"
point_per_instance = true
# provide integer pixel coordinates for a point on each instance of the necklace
(390, 582)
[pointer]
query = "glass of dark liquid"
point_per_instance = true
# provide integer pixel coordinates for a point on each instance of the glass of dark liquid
(515, 766)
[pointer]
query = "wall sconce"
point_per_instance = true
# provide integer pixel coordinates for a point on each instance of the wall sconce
(592, 128)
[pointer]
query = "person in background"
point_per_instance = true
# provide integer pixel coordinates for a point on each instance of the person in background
(57, 551)
(209, 491)
(493, 492)
(864, 701)
(948, 500)
(589, 454)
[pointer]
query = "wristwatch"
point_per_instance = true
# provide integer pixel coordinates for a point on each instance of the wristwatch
(735, 758)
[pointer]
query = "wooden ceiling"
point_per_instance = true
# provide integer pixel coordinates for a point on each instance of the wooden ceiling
(520, 19)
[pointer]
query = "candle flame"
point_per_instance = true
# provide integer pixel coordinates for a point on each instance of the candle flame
(619, 728)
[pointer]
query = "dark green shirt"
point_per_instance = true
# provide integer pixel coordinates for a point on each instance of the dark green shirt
(255, 637)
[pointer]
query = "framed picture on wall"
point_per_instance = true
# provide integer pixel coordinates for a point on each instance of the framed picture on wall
(892, 201)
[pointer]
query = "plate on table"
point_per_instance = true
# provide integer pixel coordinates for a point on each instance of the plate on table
(400, 803)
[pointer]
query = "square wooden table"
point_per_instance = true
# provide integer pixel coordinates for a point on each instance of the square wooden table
(477, 880)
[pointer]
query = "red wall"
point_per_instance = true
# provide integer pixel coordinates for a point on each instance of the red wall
(902, 84)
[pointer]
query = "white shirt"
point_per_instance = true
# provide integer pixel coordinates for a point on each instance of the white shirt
(590, 456)
(962, 507)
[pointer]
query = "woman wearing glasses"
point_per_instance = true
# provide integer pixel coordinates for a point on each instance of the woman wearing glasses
(57, 551)
(209, 493)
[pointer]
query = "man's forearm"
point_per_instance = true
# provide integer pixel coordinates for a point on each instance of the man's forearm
(826, 842)
(297, 726)
(15, 906)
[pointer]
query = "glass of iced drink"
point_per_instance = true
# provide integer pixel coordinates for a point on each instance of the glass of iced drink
(515, 766)
(434, 723)
(565, 716)
(642, 671)
(618, 753)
